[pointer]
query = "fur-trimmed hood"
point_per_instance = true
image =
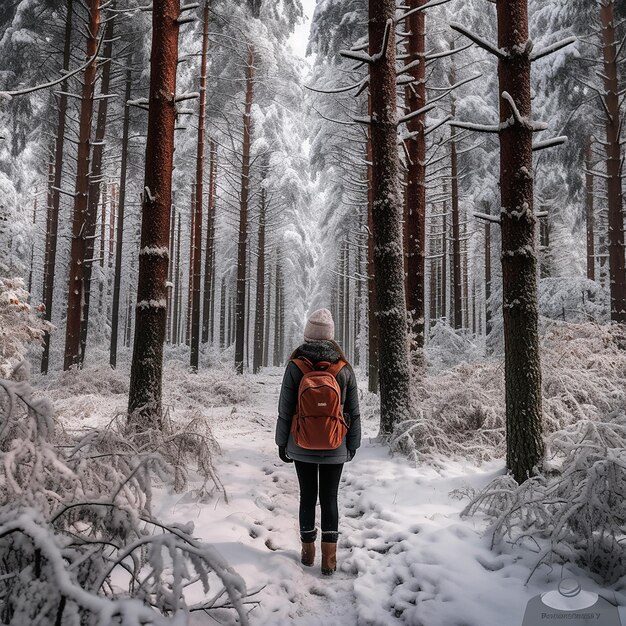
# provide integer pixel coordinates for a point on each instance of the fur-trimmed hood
(317, 351)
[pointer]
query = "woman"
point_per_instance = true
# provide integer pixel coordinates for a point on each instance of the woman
(319, 469)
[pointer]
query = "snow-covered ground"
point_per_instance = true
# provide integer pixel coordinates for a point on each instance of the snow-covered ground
(405, 556)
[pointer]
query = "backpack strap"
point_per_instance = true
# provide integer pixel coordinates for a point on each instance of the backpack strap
(303, 364)
(335, 368)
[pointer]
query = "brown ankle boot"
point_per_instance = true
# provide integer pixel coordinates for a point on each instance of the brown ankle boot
(329, 558)
(308, 554)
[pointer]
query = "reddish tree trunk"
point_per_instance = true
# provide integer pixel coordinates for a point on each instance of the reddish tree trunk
(614, 164)
(415, 98)
(144, 401)
(117, 278)
(259, 320)
(207, 307)
(95, 185)
(243, 217)
(77, 286)
(457, 291)
(197, 232)
(387, 219)
(54, 194)
(519, 262)
(591, 248)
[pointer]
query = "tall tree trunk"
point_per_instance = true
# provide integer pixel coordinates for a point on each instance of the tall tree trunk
(614, 163)
(192, 252)
(387, 219)
(266, 334)
(197, 259)
(519, 262)
(487, 273)
(95, 184)
(32, 249)
(243, 215)
(170, 274)
(77, 285)
(177, 286)
(346, 301)
(52, 226)
(589, 217)
(117, 279)
(144, 401)
(444, 259)
(223, 313)
(415, 98)
(259, 318)
(207, 303)
(457, 290)
(277, 304)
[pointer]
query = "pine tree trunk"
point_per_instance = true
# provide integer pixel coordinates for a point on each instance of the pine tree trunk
(346, 301)
(487, 273)
(77, 286)
(197, 236)
(444, 257)
(223, 314)
(387, 220)
(192, 252)
(52, 225)
(207, 304)
(457, 318)
(519, 262)
(259, 318)
(372, 320)
(144, 402)
(95, 185)
(415, 99)
(266, 334)
(614, 163)
(277, 316)
(177, 289)
(243, 216)
(117, 279)
(170, 274)
(589, 218)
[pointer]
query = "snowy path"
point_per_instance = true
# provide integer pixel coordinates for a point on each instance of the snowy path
(400, 532)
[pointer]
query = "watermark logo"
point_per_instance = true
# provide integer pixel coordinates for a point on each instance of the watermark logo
(570, 604)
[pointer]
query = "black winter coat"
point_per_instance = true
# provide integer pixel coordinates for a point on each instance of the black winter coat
(317, 351)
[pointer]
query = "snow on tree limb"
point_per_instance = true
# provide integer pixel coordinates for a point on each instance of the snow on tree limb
(555, 47)
(78, 70)
(549, 143)
(479, 41)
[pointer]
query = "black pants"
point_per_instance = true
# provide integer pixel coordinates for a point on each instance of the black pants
(329, 475)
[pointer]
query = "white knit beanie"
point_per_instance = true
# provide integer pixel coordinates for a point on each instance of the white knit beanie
(319, 326)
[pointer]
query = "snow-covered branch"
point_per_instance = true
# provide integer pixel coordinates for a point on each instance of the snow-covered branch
(479, 41)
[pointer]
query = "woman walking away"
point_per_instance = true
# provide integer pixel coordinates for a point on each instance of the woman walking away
(319, 429)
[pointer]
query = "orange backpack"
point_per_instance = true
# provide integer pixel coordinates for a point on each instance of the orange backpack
(319, 423)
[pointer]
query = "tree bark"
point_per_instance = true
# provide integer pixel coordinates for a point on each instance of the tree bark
(207, 304)
(77, 286)
(52, 226)
(197, 258)
(177, 289)
(487, 273)
(387, 220)
(117, 279)
(415, 99)
(614, 163)
(591, 247)
(259, 318)
(95, 185)
(457, 290)
(144, 401)
(243, 216)
(519, 262)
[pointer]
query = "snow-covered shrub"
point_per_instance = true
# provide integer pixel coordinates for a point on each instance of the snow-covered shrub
(20, 328)
(448, 347)
(576, 510)
(460, 412)
(78, 541)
